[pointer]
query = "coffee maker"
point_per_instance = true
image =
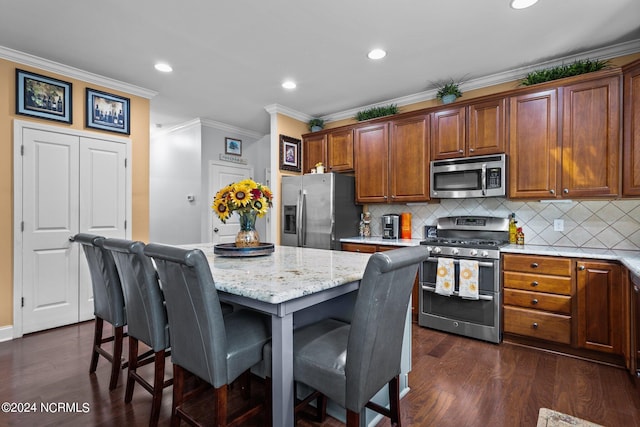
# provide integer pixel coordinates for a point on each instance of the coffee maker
(390, 226)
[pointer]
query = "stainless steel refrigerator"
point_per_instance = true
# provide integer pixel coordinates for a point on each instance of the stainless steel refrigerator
(318, 210)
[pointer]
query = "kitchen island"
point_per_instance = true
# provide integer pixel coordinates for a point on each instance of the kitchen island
(296, 286)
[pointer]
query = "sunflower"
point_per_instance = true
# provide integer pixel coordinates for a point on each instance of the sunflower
(244, 196)
(260, 205)
(241, 195)
(221, 209)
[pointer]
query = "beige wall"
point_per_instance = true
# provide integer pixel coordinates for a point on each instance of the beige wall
(139, 164)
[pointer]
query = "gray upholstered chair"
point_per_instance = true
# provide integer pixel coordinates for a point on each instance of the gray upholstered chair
(146, 317)
(350, 363)
(108, 303)
(214, 347)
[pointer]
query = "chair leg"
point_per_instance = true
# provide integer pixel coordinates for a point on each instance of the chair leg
(97, 339)
(117, 356)
(220, 396)
(133, 366)
(353, 418)
(178, 394)
(394, 402)
(158, 385)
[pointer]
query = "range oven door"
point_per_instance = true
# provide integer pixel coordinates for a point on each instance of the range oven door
(473, 318)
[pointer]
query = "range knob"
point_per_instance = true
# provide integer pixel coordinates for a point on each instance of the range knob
(455, 251)
(473, 252)
(484, 254)
(437, 250)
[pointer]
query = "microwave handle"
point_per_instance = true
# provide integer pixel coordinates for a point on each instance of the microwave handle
(484, 179)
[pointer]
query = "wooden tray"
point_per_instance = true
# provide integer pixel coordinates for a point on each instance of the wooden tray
(231, 250)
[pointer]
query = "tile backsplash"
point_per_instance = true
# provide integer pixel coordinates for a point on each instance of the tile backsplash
(606, 224)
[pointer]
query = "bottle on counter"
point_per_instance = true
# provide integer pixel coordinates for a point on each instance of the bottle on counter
(367, 224)
(519, 236)
(513, 229)
(361, 226)
(405, 225)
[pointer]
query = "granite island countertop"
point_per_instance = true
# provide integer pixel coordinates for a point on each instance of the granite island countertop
(286, 274)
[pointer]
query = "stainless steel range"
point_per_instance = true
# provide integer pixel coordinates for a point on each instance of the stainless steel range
(475, 238)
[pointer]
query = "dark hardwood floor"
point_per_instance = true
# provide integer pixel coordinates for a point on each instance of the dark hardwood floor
(455, 381)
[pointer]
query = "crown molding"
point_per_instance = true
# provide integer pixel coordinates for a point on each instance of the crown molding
(277, 108)
(608, 52)
(232, 130)
(76, 73)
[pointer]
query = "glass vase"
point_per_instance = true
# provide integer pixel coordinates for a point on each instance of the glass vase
(247, 236)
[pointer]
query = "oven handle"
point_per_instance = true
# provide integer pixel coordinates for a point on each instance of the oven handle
(457, 261)
(456, 293)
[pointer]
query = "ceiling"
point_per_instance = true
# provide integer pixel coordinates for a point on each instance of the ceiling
(230, 57)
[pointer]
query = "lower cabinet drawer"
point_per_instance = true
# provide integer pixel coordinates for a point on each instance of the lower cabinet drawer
(359, 247)
(538, 301)
(533, 282)
(537, 324)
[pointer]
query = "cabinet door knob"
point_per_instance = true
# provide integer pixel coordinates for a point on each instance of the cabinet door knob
(534, 265)
(535, 283)
(471, 150)
(581, 267)
(535, 325)
(461, 151)
(534, 301)
(552, 191)
(565, 191)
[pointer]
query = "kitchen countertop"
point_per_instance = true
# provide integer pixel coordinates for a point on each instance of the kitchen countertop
(378, 240)
(630, 259)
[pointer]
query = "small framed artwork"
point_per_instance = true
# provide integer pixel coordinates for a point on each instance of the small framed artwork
(43, 97)
(233, 146)
(289, 154)
(107, 112)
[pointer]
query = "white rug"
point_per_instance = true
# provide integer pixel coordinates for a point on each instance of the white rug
(549, 418)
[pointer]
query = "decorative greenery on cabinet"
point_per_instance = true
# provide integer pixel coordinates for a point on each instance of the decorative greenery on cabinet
(374, 112)
(578, 67)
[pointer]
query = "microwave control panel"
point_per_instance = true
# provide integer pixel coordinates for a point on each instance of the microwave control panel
(494, 178)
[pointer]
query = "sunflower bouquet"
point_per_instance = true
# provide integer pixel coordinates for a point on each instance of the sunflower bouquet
(246, 196)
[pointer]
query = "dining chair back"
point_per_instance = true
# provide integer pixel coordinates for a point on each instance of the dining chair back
(350, 363)
(108, 303)
(215, 347)
(146, 317)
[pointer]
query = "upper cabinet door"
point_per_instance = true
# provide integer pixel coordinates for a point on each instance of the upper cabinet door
(631, 155)
(372, 163)
(487, 128)
(533, 145)
(591, 138)
(340, 151)
(314, 150)
(448, 133)
(409, 160)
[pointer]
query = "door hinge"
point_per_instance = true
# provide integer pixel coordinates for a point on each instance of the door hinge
(125, 224)
(22, 150)
(125, 162)
(22, 226)
(22, 302)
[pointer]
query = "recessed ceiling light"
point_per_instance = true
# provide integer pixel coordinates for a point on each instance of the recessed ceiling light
(522, 4)
(165, 68)
(289, 84)
(377, 54)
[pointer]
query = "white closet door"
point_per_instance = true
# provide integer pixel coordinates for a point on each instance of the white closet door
(50, 216)
(103, 183)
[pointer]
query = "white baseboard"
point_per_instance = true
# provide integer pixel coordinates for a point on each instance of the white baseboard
(6, 333)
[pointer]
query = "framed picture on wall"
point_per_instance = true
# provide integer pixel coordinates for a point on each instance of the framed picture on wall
(43, 97)
(289, 154)
(233, 146)
(108, 112)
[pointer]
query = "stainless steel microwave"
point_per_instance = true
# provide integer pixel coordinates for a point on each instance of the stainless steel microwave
(481, 176)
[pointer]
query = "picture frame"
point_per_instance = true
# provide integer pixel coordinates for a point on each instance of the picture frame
(233, 146)
(106, 111)
(43, 97)
(289, 154)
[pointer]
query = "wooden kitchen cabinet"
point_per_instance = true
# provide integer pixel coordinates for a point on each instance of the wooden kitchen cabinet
(333, 148)
(314, 150)
(538, 297)
(372, 248)
(582, 160)
(474, 130)
(600, 316)
(631, 130)
(392, 161)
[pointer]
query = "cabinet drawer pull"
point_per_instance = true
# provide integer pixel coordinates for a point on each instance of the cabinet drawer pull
(565, 191)
(535, 325)
(552, 191)
(534, 265)
(534, 301)
(534, 283)
(581, 267)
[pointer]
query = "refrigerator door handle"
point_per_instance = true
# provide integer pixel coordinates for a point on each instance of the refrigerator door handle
(299, 228)
(303, 220)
